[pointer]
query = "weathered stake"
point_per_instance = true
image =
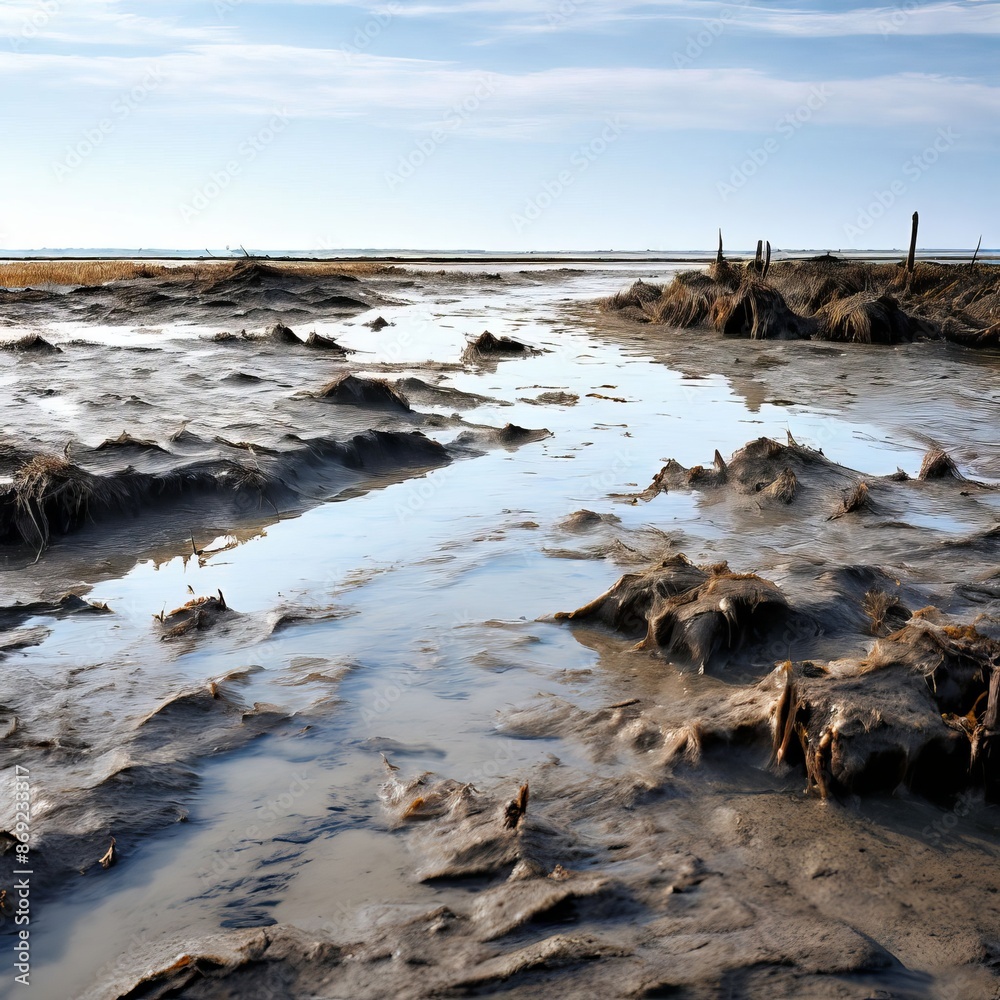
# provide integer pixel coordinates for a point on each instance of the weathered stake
(718, 256)
(974, 256)
(913, 242)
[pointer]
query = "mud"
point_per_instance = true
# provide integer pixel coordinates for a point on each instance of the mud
(359, 748)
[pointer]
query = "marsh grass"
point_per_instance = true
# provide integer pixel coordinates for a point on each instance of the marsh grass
(24, 274)
(90, 273)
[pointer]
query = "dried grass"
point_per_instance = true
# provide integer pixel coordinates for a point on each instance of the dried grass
(859, 499)
(51, 493)
(862, 319)
(885, 611)
(23, 274)
(808, 285)
(758, 311)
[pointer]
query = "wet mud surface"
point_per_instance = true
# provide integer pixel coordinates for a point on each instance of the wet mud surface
(586, 655)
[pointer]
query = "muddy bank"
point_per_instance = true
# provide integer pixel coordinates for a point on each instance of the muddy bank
(248, 290)
(192, 455)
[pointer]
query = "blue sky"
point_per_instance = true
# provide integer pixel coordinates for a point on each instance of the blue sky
(498, 124)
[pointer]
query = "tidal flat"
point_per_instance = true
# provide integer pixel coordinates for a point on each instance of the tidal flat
(576, 628)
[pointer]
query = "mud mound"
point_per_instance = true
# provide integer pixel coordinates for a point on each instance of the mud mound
(126, 441)
(764, 469)
(508, 436)
(468, 836)
(320, 343)
(486, 346)
(557, 398)
(758, 311)
(587, 520)
(377, 450)
(626, 607)
(911, 712)
(442, 395)
(938, 465)
(866, 319)
(685, 302)
(281, 334)
(30, 344)
(719, 615)
(51, 496)
(14, 615)
(376, 394)
(245, 273)
(634, 300)
(200, 614)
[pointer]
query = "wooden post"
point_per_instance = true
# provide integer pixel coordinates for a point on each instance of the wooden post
(767, 261)
(976, 254)
(718, 258)
(758, 261)
(913, 242)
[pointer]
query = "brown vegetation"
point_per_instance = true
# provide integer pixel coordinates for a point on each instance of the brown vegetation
(686, 610)
(865, 319)
(824, 297)
(27, 273)
(906, 714)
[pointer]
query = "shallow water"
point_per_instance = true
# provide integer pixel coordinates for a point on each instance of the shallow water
(427, 606)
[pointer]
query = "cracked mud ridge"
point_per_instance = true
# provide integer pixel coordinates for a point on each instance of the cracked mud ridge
(404, 631)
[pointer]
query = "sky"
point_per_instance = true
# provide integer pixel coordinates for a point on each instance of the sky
(498, 124)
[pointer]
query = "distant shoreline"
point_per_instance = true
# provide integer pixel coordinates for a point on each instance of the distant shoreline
(444, 258)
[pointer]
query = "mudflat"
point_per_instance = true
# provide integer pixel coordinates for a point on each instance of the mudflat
(598, 629)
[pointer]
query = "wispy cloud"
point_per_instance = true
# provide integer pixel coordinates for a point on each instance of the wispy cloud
(98, 22)
(417, 94)
(947, 17)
